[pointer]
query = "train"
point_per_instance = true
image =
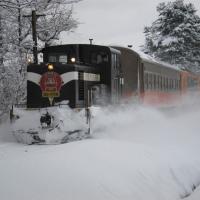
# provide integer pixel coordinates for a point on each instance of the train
(83, 75)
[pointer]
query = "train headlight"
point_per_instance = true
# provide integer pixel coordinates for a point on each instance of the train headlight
(73, 60)
(29, 60)
(50, 67)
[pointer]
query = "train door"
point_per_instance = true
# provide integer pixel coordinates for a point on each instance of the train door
(116, 89)
(99, 94)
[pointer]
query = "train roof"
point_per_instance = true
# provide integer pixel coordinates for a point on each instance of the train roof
(116, 49)
(147, 58)
(61, 47)
(150, 59)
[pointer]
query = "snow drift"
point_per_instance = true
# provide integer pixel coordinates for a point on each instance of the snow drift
(134, 153)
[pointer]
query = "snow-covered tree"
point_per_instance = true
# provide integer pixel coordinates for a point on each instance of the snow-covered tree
(175, 36)
(4, 87)
(57, 18)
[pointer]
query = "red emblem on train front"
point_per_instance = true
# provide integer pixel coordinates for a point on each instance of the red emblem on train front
(50, 84)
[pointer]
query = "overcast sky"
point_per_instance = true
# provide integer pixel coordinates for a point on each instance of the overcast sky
(115, 21)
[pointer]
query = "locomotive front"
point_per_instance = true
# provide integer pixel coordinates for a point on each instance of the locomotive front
(62, 77)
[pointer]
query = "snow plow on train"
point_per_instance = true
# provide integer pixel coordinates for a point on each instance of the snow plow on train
(52, 125)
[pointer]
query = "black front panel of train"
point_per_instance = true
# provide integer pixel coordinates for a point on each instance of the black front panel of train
(74, 89)
(35, 98)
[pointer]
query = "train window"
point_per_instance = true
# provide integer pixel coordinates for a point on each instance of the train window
(150, 81)
(160, 82)
(62, 59)
(157, 81)
(161, 79)
(98, 57)
(166, 84)
(163, 83)
(174, 84)
(177, 86)
(52, 59)
(146, 80)
(192, 83)
(154, 81)
(116, 84)
(169, 87)
(170, 84)
(105, 57)
(172, 87)
(118, 62)
(114, 61)
(189, 82)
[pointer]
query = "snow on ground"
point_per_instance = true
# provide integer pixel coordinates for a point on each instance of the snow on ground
(135, 153)
(195, 195)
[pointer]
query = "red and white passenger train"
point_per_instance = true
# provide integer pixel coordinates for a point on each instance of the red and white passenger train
(84, 75)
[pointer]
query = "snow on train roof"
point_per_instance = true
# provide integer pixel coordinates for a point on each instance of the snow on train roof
(148, 58)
